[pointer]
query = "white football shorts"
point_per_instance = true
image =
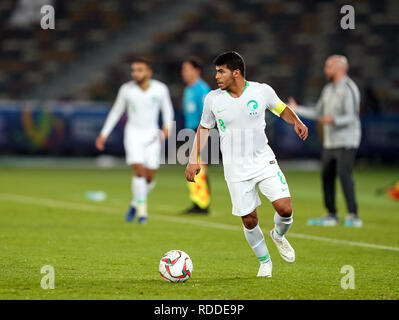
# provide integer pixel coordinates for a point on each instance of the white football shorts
(244, 194)
(142, 147)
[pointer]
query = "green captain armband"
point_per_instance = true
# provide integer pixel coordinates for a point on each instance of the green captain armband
(278, 109)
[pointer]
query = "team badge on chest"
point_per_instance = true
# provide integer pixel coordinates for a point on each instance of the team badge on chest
(252, 107)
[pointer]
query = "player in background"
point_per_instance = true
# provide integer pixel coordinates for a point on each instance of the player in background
(239, 106)
(193, 101)
(143, 99)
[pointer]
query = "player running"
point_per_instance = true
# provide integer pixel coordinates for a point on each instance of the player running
(143, 98)
(238, 109)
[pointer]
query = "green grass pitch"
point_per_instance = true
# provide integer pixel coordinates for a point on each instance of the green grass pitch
(46, 220)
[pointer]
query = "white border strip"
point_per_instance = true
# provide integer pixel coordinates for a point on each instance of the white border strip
(101, 209)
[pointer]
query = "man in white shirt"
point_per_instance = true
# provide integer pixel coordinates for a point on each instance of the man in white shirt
(143, 99)
(238, 109)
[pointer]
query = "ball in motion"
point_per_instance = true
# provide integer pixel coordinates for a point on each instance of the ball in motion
(176, 266)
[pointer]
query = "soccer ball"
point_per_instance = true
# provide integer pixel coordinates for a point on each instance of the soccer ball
(176, 266)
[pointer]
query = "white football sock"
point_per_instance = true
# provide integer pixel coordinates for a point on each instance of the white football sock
(257, 243)
(282, 225)
(150, 186)
(132, 203)
(142, 209)
(139, 189)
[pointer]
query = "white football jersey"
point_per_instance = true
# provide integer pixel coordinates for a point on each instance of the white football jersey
(143, 107)
(241, 124)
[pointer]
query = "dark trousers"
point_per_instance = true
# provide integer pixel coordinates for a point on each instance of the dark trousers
(339, 161)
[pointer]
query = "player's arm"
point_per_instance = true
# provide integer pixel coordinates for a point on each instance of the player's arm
(193, 166)
(291, 117)
(280, 109)
(167, 113)
(113, 117)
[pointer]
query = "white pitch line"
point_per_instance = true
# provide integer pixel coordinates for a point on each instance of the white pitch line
(344, 242)
(56, 203)
(92, 208)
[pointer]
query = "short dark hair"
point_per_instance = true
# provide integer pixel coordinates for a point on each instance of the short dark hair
(232, 60)
(143, 60)
(196, 62)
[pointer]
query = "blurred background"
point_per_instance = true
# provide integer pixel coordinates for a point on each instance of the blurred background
(56, 86)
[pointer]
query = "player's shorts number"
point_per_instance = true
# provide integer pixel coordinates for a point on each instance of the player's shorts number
(282, 179)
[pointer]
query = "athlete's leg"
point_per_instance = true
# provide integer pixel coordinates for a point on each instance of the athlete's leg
(283, 216)
(245, 200)
(138, 170)
(254, 236)
(250, 221)
(282, 223)
(152, 154)
(283, 207)
(139, 189)
(150, 179)
(139, 182)
(150, 175)
(134, 150)
(275, 188)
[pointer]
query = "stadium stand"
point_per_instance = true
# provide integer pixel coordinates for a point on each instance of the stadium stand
(30, 55)
(284, 43)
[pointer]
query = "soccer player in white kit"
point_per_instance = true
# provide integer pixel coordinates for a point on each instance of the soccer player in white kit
(238, 109)
(143, 99)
